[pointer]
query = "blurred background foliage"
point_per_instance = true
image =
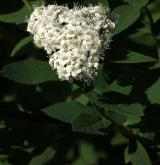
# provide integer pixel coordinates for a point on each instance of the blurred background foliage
(115, 121)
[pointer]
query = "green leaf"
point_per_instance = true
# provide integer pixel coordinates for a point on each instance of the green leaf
(131, 120)
(17, 17)
(116, 87)
(21, 44)
(87, 154)
(82, 118)
(90, 124)
(2, 124)
(82, 99)
(139, 157)
(29, 71)
(143, 37)
(118, 140)
(134, 109)
(44, 157)
(147, 135)
(127, 15)
(101, 85)
(153, 93)
(100, 82)
(129, 57)
(154, 9)
(123, 114)
(137, 3)
(67, 111)
(117, 118)
(156, 66)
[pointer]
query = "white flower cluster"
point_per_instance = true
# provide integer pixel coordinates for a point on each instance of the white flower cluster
(74, 38)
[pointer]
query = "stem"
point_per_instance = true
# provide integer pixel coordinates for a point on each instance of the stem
(28, 4)
(151, 22)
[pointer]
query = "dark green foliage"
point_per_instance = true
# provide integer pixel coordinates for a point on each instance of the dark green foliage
(115, 120)
(17, 17)
(126, 15)
(29, 71)
(137, 157)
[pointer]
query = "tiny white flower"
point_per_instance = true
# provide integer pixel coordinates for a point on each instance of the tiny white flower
(72, 38)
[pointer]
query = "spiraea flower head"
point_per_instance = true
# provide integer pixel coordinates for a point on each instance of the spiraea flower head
(74, 39)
